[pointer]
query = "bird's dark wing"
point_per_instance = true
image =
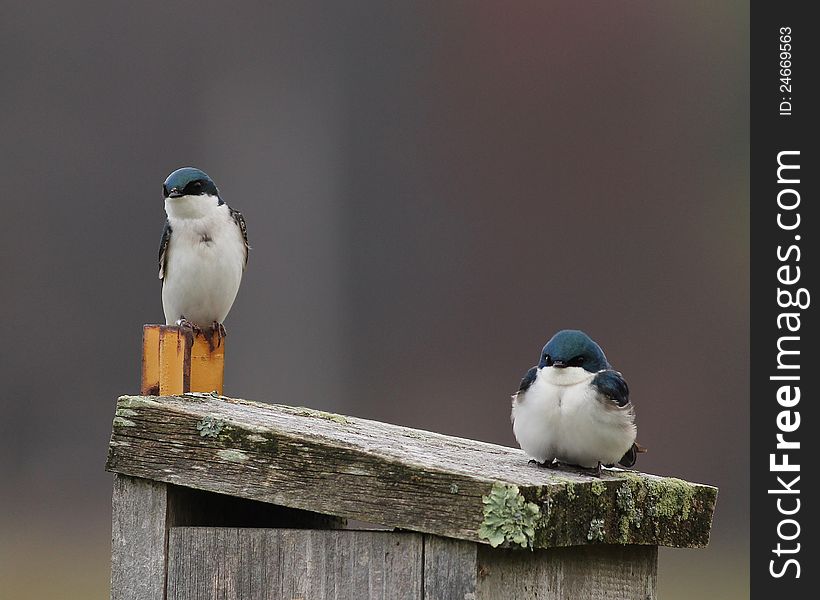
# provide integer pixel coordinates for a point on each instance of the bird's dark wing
(240, 221)
(163, 249)
(526, 382)
(612, 386)
(629, 458)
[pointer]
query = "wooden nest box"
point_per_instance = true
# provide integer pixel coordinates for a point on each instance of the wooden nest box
(217, 497)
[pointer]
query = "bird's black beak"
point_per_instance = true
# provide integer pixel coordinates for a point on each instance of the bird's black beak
(175, 193)
(559, 364)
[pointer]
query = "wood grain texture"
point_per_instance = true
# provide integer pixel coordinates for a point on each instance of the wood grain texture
(138, 537)
(274, 564)
(392, 475)
(591, 573)
(450, 569)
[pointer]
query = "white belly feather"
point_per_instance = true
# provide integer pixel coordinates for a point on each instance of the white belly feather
(561, 417)
(205, 261)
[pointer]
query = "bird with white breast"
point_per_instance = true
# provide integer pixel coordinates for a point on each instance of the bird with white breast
(573, 407)
(202, 254)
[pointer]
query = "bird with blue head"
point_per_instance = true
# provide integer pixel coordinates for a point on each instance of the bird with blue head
(203, 252)
(574, 408)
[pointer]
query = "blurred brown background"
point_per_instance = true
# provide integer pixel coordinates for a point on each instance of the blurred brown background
(431, 190)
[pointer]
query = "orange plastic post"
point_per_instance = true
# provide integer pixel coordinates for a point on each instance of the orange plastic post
(207, 364)
(175, 361)
(149, 384)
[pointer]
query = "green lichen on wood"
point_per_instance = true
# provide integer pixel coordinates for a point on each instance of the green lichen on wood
(631, 515)
(669, 510)
(333, 417)
(198, 396)
(672, 499)
(320, 414)
(137, 402)
(301, 411)
(210, 427)
(598, 487)
(126, 412)
(508, 517)
(120, 422)
(596, 532)
(232, 455)
(669, 498)
(259, 442)
(633, 508)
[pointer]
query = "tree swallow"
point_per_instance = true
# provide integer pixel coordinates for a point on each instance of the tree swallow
(574, 408)
(203, 252)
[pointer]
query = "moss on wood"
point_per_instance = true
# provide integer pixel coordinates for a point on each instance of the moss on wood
(626, 508)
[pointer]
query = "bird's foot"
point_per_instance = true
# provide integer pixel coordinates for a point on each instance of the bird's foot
(215, 334)
(595, 471)
(547, 464)
(186, 324)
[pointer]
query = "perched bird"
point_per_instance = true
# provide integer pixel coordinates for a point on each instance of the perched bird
(203, 252)
(574, 408)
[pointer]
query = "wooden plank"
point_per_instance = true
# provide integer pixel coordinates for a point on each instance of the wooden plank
(450, 569)
(397, 476)
(138, 537)
(174, 360)
(257, 564)
(266, 564)
(144, 510)
(592, 573)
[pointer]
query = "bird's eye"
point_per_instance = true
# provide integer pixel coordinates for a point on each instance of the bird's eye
(577, 361)
(193, 187)
(548, 360)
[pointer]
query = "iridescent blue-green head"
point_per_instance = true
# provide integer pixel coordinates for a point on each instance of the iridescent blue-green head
(189, 181)
(573, 348)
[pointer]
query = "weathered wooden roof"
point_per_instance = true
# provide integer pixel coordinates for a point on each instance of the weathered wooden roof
(397, 476)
